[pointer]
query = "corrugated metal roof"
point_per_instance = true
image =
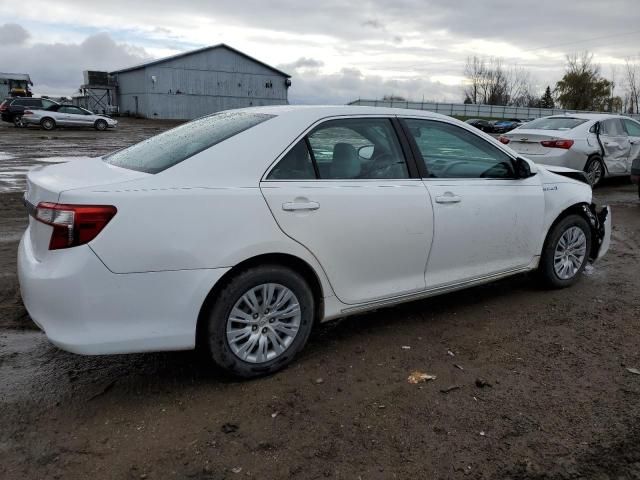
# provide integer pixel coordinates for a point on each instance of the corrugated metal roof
(16, 76)
(200, 50)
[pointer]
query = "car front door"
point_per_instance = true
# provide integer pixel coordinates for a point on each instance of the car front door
(633, 130)
(345, 192)
(76, 117)
(615, 142)
(486, 220)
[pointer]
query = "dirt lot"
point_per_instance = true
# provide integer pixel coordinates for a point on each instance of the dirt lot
(560, 404)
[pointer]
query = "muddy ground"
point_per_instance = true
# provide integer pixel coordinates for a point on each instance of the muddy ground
(560, 402)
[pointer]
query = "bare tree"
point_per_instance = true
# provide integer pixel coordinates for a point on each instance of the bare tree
(475, 71)
(632, 74)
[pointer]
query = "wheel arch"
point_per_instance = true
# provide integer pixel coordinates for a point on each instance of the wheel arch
(49, 118)
(585, 210)
(283, 259)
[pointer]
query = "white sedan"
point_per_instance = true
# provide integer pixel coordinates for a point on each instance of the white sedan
(240, 230)
(67, 116)
(601, 145)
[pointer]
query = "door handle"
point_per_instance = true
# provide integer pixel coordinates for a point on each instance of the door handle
(293, 206)
(448, 198)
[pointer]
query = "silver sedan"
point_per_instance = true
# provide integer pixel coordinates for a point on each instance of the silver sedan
(67, 116)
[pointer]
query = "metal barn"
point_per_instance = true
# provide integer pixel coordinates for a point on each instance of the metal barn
(199, 82)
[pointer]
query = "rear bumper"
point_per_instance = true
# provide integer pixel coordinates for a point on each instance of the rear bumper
(85, 308)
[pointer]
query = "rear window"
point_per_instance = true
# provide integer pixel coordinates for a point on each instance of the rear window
(555, 123)
(169, 148)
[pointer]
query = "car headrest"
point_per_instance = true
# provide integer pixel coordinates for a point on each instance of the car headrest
(346, 163)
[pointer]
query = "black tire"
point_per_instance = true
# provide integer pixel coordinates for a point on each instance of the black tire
(215, 338)
(17, 121)
(546, 268)
(48, 123)
(101, 125)
(596, 164)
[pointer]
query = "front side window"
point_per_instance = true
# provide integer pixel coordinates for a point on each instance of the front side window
(169, 148)
(449, 151)
(633, 128)
(358, 148)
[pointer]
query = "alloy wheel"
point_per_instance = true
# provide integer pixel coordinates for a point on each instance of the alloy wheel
(570, 253)
(263, 323)
(594, 172)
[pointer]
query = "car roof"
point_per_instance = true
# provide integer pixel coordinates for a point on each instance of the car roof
(588, 116)
(317, 112)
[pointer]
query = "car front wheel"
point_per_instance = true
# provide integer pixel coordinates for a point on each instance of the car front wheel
(260, 321)
(101, 125)
(566, 252)
(18, 121)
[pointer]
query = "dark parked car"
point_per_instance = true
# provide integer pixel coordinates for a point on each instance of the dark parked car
(504, 126)
(11, 109)
(635, 173)
(480, 124)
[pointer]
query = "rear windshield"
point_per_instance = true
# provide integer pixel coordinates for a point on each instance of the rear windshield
(555, 123)
(173, 146)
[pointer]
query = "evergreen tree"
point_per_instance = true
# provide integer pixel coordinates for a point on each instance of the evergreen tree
(547, 99)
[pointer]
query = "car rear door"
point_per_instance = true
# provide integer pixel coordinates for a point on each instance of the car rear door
(633, 130)
(346, 192)
(616, 145)
(486, 220)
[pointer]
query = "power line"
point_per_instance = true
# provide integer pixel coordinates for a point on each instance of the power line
(583, 41)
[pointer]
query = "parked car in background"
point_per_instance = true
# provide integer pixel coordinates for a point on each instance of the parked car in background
(208, 234)
(12, 109)
(635, 172)
(480, 124)
(601, 145)
(503, 126)
(67, 116)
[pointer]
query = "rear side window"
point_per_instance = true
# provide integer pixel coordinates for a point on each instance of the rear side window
(555, 123)
(295, 165)
(176, 145)
(613, 127)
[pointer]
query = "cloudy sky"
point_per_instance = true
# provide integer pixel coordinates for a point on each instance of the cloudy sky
(335, 50)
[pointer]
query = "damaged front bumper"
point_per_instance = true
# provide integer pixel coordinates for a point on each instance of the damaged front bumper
(600, 223)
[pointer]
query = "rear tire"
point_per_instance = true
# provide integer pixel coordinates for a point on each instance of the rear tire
(566, 252)
(17, 121)
(48, 123)
(101, 125)
(235, 342)
(594, 169)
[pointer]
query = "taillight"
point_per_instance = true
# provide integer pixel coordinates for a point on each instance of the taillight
(566, 144)
(27, 112)
(73, 225)
(504, 140)
(3, 106)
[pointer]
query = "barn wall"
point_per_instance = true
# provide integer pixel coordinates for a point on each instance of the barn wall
(199, 84)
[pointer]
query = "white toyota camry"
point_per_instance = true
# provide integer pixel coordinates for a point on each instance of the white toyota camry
(239, 231)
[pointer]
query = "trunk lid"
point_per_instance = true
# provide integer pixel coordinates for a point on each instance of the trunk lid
(46, 183)
(527, 142)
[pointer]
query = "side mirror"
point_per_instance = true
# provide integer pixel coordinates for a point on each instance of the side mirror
(366, 152)
(525, 168)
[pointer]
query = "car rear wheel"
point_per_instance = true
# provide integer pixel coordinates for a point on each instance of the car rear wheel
(48, 123)
(566, 252)
(100, 125)
(18, 121)
(595, 171)
(260, 321)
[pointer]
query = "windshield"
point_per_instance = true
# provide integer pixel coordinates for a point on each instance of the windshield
(176, 145)
(555, 123)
